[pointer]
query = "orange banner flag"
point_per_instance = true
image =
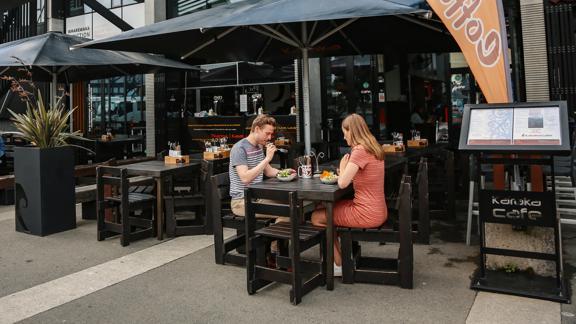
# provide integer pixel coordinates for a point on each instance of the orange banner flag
(479, 28)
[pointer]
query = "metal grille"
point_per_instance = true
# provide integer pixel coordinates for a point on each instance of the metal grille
(535, 56)
(561, 23)
(23, 21)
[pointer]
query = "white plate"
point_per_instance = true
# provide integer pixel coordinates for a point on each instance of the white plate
(326, 181)
(286, 179)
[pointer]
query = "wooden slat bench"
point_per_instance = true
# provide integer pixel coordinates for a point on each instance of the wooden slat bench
(86, 195)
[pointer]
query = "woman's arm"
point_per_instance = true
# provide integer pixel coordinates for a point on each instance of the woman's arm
(347, 172)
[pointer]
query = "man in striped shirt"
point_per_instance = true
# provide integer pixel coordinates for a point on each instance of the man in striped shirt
(250, 160)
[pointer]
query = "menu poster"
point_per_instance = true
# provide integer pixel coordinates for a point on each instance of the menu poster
(490, 126)
(537, 126)
(243, 103)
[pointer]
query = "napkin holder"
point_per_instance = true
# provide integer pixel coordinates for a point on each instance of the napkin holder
(185, 159)
(223, 154)
(393, 148)
(418, 143)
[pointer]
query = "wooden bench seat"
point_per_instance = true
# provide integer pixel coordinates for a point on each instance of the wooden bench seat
(399, 270)
(86, 195)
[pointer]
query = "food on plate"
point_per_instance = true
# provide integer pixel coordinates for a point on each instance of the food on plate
(286, 173)
(328, 176)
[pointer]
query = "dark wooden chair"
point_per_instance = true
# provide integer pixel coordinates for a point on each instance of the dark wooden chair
(185, 193)
(302, 275)
(210, 168)
(421, 227)
(124, 204)
(222, 217)
(398, 271)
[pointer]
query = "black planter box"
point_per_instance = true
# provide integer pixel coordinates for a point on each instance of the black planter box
(44, 190)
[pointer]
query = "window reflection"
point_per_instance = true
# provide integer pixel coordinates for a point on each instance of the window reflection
(116, 105)
(348, 90)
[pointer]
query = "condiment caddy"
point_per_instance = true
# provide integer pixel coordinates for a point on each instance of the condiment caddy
(175, 154)
(216, 149)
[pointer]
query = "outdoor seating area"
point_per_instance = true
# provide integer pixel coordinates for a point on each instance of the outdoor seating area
(293, 161)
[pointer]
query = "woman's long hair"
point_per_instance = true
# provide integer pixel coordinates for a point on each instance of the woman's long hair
(360, 135)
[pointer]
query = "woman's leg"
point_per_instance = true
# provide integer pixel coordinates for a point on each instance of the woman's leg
(319, 219)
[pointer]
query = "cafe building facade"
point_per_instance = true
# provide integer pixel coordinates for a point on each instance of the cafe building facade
(385, 88)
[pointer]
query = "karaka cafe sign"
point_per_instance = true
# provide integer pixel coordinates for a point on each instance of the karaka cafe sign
(517, 207)
(478, 28)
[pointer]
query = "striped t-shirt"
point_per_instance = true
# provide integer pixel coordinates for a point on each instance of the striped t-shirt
(243, 153)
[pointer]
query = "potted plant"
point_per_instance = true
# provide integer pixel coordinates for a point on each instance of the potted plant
(44, 170)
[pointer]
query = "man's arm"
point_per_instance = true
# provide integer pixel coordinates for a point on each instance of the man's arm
(270, 172)
(248, 175)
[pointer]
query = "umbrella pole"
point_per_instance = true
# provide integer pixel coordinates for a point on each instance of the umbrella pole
(53, 90)
(306, 91)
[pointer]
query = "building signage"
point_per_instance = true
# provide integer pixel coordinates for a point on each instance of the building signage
(518, 207)
(94, 26)
(479, 28)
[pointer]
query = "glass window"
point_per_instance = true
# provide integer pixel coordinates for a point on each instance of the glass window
(135, 107)
(363, 88)
(349, 89)
(95, 102)
(116, 3)
(106, 3)
(117, 112)
(116, 104)
(40, 11)
(461, 94)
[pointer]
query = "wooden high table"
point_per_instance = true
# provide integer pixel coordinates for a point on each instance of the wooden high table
(160, 171)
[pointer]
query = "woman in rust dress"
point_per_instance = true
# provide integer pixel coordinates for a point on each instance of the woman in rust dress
(364, 167)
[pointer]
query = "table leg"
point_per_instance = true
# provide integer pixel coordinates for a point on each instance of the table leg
(329, 246)
(160, 208)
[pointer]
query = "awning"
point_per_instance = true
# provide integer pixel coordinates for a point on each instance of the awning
(266, 30)
(243, 31)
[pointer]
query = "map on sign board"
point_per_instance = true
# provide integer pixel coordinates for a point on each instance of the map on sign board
(515, 126)
(491, 126)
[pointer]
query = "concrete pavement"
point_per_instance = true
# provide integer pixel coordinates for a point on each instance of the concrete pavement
(70, 277)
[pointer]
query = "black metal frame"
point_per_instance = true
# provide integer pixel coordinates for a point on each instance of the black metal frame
(548, 149)
(497, 281)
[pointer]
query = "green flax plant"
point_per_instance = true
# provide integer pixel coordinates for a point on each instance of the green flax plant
(42, 127)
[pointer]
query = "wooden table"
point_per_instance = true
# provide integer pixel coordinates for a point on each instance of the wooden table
(160, 171)
(312, 190)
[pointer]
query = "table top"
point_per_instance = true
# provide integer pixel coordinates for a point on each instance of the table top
(308, 189)
(159, 168)
(120, 140)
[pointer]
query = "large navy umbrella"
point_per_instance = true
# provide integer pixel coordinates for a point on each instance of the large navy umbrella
(255, 30)
(50, 58)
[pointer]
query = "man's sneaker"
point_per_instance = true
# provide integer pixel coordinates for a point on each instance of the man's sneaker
(337, 271)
